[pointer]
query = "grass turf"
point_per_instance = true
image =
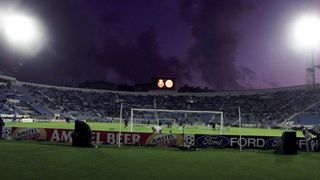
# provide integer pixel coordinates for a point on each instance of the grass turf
(39, 160)
(144, 128)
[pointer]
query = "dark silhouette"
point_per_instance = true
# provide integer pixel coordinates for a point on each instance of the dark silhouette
(81, 137)
(1, 125)
(126, 123)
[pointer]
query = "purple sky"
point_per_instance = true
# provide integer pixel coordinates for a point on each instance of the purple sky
(267, 47)
(221, 44)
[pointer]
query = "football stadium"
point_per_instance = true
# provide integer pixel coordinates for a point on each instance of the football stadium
(42, 119)
(159, 89)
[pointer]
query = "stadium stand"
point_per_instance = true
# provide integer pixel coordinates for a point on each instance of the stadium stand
(262, 108)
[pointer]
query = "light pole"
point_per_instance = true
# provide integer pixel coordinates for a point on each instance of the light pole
(188, 102)
(307, 33)
(120, 120)
(156, 113)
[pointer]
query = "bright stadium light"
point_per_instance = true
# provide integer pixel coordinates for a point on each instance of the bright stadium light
(307, 31)
(20, 29)
(22, 33)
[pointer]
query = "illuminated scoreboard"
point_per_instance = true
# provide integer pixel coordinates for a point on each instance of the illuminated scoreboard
(164, 83)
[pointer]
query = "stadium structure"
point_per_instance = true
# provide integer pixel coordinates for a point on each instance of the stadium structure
(278, 107)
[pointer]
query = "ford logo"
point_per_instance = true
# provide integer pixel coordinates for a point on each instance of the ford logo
(212, 141)
(273, 142)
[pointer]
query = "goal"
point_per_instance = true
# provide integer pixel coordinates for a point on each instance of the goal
(162, 116)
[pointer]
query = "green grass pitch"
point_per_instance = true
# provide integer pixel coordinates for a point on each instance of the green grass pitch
(144, 128)
(48, 160)
(40, 160)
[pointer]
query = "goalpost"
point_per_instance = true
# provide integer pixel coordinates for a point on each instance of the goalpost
(220, 113)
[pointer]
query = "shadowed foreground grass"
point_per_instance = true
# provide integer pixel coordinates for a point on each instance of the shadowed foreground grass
(39, 160)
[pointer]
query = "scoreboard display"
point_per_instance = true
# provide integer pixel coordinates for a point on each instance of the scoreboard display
(164, 83)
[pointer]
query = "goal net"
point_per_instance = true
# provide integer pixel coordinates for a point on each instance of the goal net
(174, 120)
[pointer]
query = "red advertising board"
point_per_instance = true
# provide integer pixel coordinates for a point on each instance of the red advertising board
(150, 139)
(98, 137)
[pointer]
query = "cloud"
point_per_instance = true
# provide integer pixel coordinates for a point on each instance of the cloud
(87, 43)
(270, 84)
(141, 60)
(216, 39)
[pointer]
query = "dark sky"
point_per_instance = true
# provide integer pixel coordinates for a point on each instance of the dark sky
(222, 44)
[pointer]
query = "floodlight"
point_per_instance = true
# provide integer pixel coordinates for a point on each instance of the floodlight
(23, 33)
(307, 31)
(20, 29)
